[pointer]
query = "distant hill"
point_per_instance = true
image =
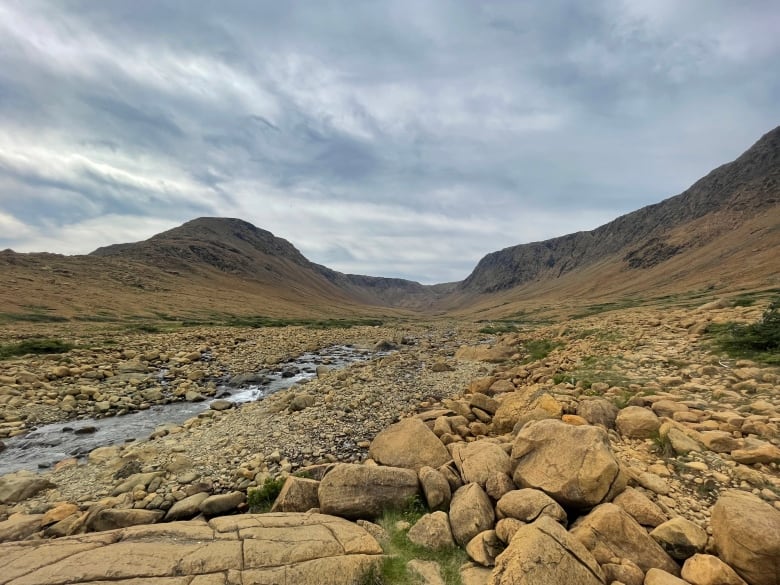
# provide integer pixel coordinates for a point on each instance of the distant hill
(740, 194)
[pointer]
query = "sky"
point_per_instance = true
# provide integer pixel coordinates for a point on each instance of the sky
(391, 138)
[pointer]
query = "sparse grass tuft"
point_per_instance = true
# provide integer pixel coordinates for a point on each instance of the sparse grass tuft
(36, 346)
(499, 327)
(663, 446)
(758, 341)
(399, 550)
(261, 499)
(538, 349)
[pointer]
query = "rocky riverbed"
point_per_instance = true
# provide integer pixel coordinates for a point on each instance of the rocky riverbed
(684, 424)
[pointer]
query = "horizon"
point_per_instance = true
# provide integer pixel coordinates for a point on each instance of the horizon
(394, 140)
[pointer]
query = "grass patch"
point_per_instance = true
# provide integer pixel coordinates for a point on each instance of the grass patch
(663, 446)
(538, 349)
(33, 318)
(261, 499)
(259, 321)
(499, 327)
(759, 341)
(400, 550)
(598, 308)
(34, 346)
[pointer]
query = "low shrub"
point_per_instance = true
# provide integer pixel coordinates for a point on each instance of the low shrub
(36, 346)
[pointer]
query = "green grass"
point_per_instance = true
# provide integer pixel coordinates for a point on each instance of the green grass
(592, 369)
(399, 550)
(35, 346)
(759, 341)
(32, 318)
(259, 321)
(499, 327)
(261, 499)
(598, 308)
(538, 349)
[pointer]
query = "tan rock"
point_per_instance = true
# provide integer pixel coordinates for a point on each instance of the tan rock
(410, 444)
(610, 532)
(598, 411)
(680, 538)
(667, 408)
(428, 572)
(528, 504)
(187, 508)
(17, 487)
(110, 518)
(59, 513)
(432, 531)
(499, 484)
(298, 494)
(472, 574)
(719, 441)
(709, 570)
(659, 577)
(746, 534)
(764, 453)
(500, 387)
(471, 512)
(640, 507)
(543, 553)
(484, 353)
(623, 571)
(223, 503)
(19, 527)
(636, 422)
(573, 465)
(484, 548)
(364, 491)
(477, 461)
(506, 528)
(512, 407)
(435, 488)
(483, 402)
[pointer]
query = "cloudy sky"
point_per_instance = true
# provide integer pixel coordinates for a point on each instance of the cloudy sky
(393, 138)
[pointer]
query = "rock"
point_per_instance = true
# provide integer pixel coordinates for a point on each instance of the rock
(470, 513)
(719, 441)
(364, 491)
(681, 443)
(484, 548)
(623, 571)
(680, 538)
(134, 481)
(483, 402)
(222, 503)
(640, 507)
(764, 453)
(441, 367)
(506, 528)
(746, 534)
(432, 531)
(301, 402)
(19, 527)
(435, 488)
(484, 353)
(305, 549)
(659, 577)
(654, 483)
(111, 518)
(598, 411)
(511, 409)
(428, 572)
(709, 570)
(499, 484)
(528, 504)
(609, 532)
(221, 404)
(59, 513)
(103, 455)
(189, 507)
(667, 408)
(471, 574)
(636, 422)
(16, 487)
(298, 494)
(572, 464)
(477, 461)
(410, 444)
(543, 553)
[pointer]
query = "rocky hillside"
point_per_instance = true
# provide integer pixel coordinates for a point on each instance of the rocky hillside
(727, 197)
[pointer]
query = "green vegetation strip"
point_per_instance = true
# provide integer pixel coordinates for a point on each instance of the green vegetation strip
(36, 346)
(758, 341)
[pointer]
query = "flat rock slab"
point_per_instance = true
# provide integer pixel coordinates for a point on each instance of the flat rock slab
(264, 549)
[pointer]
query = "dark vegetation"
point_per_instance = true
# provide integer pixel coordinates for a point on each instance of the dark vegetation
(759, 341)
(35, 346)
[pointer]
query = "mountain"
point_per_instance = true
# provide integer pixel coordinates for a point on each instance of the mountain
(660, 244)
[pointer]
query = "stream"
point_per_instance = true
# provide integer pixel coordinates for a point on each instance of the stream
(44, 446)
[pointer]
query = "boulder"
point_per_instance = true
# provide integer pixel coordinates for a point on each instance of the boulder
(680, 538)
(543, 553)
(305, 549)
(623, 571)
(709, 570)
(432, 531)
(410, 444)
(471, 512)
(598, 411)
(435, 488)
(528, 504)
(187, 508)
(222, 503)
(19, 527)
(762, 453)
(472, 574)
(298, 494)
(636, 422)
(364, 491)
(111, 518)
(499, 484)
(425, 572)
(506, 528)
(512, 407)
(483, 402)
(641, 508)
(16, 487)
(610, 532)
(659, 577)
(746, 534)
(572, 464)
(484, 548)
(478, 460)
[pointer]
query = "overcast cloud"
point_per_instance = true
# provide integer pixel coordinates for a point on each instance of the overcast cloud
(391, 138)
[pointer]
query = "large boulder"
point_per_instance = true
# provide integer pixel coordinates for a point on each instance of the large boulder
(298, 494)
(746, 533)
(543, 553)
(572, 464)
(111, 518)
(635, 422)
(410, 444)
(19, 527)
(642, 508)
(681, 538)
(364, 491)
(610, 532)
(512, 407)
(709, 570)
(527, 505)
(598, 411)
(432, 531)
(305, 549)
(478, 460)
(16, 487)
(471, 512)
(435, 487)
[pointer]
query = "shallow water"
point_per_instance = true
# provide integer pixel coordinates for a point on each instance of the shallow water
(48, 444)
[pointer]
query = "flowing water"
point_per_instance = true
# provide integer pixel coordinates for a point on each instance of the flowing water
(48, 444)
